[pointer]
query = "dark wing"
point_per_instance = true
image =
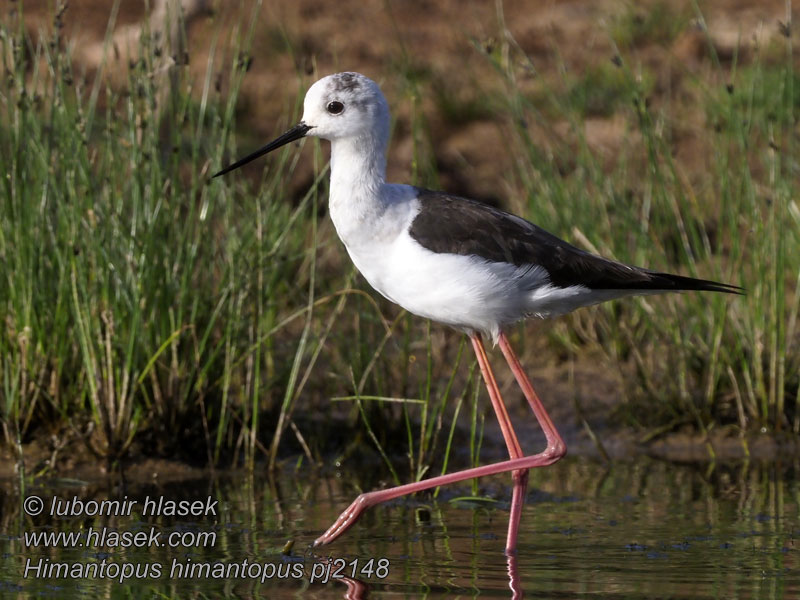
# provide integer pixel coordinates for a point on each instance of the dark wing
(454, 225)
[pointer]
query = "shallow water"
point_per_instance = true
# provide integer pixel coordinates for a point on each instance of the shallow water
(644, 529)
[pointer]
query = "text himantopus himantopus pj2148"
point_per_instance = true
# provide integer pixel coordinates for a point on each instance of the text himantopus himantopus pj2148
(455, 261)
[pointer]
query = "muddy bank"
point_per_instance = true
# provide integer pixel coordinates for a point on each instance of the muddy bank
(74, 461)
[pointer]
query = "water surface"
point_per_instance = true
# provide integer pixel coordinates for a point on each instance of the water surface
(644, 529)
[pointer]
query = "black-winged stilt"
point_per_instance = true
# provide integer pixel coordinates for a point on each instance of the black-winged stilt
(455, 261)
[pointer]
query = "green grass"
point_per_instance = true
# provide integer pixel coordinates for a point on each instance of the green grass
(125, 297)
(705, 359)
(602, 89)
(147, 309)
(656, 23)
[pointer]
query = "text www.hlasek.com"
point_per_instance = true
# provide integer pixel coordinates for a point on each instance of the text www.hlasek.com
(111, 538)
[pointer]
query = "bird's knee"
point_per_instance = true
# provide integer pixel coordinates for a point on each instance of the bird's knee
(558, 450)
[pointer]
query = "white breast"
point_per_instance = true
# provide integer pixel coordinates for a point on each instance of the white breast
(466, 292)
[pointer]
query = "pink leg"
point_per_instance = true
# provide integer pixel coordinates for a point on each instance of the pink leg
(356, 590)
(517, 500)
(554, 440)
(554, 451)
(513, 577)
(520, 477)
(514, 449)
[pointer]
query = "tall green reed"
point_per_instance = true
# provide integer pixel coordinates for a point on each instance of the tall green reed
(117, 270)
(732, 361)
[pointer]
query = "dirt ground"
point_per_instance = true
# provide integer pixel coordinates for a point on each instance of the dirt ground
(430, 56)
(438, 48)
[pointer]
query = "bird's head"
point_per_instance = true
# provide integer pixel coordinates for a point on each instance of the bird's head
(345, 105)
(337, 107)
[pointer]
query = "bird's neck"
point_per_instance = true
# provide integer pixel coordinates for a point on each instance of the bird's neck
(358, 172)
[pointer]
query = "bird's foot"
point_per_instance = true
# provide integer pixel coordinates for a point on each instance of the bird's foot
(345, 520)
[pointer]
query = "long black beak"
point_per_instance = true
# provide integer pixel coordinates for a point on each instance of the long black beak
(295, 133)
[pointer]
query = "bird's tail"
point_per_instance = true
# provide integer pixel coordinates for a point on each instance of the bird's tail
(669, 282)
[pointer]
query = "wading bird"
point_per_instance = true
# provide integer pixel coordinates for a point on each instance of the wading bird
(455, 261)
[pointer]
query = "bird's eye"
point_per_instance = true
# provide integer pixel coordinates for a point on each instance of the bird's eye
(335, 107)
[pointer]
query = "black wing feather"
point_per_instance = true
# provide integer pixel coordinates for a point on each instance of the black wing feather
(454, 225)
